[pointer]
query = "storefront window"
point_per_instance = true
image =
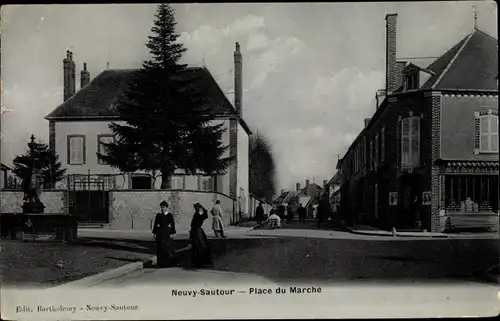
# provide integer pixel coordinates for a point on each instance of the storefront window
(471, 193)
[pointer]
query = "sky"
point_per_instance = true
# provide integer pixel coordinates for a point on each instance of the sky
(310, 70)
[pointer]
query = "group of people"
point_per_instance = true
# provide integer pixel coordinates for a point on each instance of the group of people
(277, 214)
(164, 228)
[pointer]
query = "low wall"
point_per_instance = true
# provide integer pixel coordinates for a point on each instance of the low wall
(11, 201)
(136, 209)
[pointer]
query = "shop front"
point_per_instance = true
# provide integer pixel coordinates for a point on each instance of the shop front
(471, 194)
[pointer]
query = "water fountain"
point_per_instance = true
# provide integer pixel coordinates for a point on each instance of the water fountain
(33, 224)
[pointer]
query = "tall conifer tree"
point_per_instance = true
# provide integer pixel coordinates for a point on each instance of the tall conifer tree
(262, 167)
(168, 124)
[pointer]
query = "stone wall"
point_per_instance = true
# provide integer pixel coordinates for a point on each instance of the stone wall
(136, 209)
(11, 201)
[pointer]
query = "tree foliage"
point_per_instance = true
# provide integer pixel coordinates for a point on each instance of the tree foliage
(168, 124)
(262, 178)
(47, 162)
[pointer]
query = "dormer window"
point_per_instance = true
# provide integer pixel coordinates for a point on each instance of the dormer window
(411, 81)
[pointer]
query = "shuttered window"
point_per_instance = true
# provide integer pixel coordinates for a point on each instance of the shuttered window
(382, 145)
(488, 134)
(410, 142)
(76, 149)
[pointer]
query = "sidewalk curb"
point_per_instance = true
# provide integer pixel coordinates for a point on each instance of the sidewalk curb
(397, 235)
(95, 279)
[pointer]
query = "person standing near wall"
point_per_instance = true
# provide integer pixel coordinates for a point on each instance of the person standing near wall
(199, 241)
(163, 229)
(217, 222)
(301, 211)
(259, 213)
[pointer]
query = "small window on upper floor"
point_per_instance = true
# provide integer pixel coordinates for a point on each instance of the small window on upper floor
(76, 149)
(411, 81)
(488, 133)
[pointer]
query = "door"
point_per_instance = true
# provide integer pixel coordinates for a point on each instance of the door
(90, 206)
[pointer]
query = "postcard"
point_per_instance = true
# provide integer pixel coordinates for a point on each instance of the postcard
(249, 161)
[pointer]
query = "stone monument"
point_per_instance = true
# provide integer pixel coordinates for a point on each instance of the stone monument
(32, 184)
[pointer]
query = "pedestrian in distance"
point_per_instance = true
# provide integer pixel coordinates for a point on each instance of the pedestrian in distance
(289, 213)
(301, 211)
(259, 213)
(200, 248)
(163, 229)
(217, 222)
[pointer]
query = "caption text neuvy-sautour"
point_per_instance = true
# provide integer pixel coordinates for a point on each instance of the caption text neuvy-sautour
(250, 291)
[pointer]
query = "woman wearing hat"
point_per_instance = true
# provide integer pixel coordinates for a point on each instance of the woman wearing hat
(163, 228)
(199, 241)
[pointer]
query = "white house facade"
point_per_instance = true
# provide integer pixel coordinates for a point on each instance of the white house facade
(79, 126)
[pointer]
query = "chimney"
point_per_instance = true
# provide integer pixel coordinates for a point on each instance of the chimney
(325, 182)
(282, 191)
(367, 121)
(391, 67)
(84, 76)
(238, 79)
(297, 187)
(307, 182)
(69, 75)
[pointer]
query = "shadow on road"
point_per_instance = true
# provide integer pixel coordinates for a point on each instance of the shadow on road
(146, 247)
(345, 260)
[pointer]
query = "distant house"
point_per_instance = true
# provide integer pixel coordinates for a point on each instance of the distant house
(4, 171)
(334, 190)
(309, 192)
(79, 126)
(430, 150)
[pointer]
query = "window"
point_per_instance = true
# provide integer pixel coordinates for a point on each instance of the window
(467, 193)
(364, 152)
(206, 183)
(411, 81)
(410, 142)
(76, 149)
(488, 134)
(101, 149)
(376, 160)
(370, 164)
(382, 145)
(178, 182)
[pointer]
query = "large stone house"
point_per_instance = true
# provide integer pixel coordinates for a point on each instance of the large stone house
(80, 125)
(430, 151)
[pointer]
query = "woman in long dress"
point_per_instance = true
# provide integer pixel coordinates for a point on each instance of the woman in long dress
(217, 223)
(164, 227)
(199, 241)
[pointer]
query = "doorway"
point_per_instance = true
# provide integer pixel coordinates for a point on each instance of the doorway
(141, 182)
(410, 208)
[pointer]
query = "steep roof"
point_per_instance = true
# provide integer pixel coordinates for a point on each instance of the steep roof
(282, 197)
(335, 179)
(286, 197)
(96, 100)
(470, 64)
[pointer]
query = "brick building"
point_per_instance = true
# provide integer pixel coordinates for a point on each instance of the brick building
(430, 151)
